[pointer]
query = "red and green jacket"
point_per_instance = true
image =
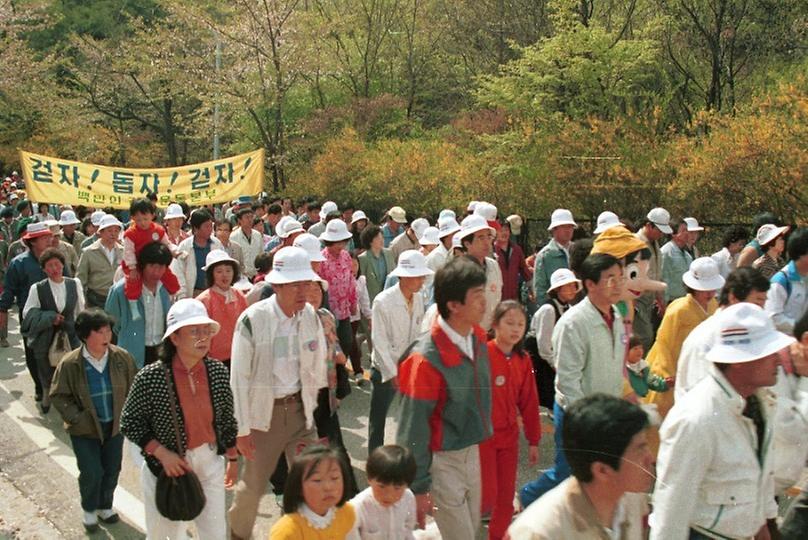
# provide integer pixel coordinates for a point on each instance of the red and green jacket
(445, 399)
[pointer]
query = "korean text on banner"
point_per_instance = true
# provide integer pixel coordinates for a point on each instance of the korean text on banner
(60, 181)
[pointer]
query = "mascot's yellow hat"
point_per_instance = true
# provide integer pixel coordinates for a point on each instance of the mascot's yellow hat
(618, 242)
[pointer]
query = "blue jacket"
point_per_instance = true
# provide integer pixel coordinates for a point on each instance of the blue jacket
(131, 334)
(549, 259)
(23, 271)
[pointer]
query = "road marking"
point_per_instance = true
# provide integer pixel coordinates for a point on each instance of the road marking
(126, 504)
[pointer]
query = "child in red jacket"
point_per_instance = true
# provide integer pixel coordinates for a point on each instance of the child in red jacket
(513, 394)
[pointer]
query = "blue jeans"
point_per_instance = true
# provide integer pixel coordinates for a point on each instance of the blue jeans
(99, 465)
(553, 476)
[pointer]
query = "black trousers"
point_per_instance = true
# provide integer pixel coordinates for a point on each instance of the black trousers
(33, 368)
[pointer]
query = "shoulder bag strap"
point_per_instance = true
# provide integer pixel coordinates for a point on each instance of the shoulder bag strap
(171, 396)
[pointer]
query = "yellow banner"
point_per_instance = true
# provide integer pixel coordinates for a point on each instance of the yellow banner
(60, 181)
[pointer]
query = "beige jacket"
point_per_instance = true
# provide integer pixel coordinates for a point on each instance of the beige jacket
(95, 271)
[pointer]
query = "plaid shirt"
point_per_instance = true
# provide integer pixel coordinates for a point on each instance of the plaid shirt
(100, 387)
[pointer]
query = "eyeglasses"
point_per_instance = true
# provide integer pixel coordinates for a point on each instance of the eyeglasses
(201, 331)
(615, 281)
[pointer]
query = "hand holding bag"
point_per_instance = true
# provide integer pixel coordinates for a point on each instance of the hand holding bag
(178, 498)
(59, 347)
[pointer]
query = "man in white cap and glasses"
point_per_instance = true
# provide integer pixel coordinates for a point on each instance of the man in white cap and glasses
(476, 237)
(393, 226)
(397, 316)
(408, 240)
(68, 222)
(99, 261)
(278, 366)
(715, 477)
(649, 307)
(694, 231)
(556, 254)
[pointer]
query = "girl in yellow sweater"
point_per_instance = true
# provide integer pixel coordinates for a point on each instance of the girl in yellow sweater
(314, 499)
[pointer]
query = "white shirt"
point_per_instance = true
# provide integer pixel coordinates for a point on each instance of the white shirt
(541, 327)
(98, 364)
(394, 328)
(110, 253)
(59, 292)
(464, 343)
(373, 520)
(493, 291)
(708, 473)
(251, 247)
(153, 316)
(286, 376)
(726, 262)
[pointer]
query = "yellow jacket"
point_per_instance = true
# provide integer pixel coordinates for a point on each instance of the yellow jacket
(296, 527)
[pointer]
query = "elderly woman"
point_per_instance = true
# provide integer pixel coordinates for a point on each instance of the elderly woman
(89, 388)
(772, 242)
(51, 306)
(187, 387)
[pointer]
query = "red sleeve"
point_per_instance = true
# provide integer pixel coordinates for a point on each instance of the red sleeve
(528, 400)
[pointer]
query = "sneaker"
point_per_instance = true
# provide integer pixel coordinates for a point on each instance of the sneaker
(108, 516)
(279, 501)
(90, 521)
(4, 343)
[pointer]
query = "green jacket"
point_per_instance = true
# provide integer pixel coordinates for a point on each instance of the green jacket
(644, 381)
(367, 268)
(549, 259)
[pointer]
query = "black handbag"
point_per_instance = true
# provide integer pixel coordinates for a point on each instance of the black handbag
(178, 498)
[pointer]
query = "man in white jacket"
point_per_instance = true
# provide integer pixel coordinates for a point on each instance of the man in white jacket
(477, 237)
(396, 320)
(197, 246)
(277, 367)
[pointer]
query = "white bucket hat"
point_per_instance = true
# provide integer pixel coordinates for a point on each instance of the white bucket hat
(746, 333)
(291, 264)
(457, 241)
(768, 232)
(472, 224)
(606, 220)
(472, 206)
(174, 211)
(68, 217)
(561, 277)
(216, 256)
(311, 245)
(692, 224)
(419, 226)
(515, 220)
(661, 218)
(286, 226)
(358, 216)
(487, 210)
(561, 216)
(397, 214)
(335, 231)
(95, 217)
(108, 221)
(447, 226)
(411, 263)
(446, 212)
(703, 275)
(430, 237)
(188, 312)
(327, 208)
(243, 284)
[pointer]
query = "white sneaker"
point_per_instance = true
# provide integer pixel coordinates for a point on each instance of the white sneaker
(108, 516)
(90, 521)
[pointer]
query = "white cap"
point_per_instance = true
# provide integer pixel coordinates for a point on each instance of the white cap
(515, 221)
(768, 232)
(68, 217)
(13, 196)
(243, 284)
(311, 245)
(486, 210)
(419, 226)
(745, 333)
(397, 214)
(51, 223)
(292, 264)
(286, 226)
(472, 224)
(430, 237)
(561, 216)
(96, 216)
(692, 224)
(358, 216)
(447, 226)
(335, 231)
(174, 211)
(188, 312)
(216, 256)
(411, 263)
(661, 218)
(108, 220)
(472, 206)
(561, 277)
(606, 220)
(457, 241)
(327, 208)
(447, 212)
(703, 275)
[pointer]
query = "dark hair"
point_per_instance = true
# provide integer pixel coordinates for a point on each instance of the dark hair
(257, 205)
(152, 196)
(40, 205)
(734, 234)
(801, 326)
(599, 428)
(741, 282)
(224, 222)
(770, 244)
(368, 234)
(199, 217)
(209, 272)
(763, 218)
(7, 212)
(153, 253)
(51, 253)
(504, 307)
(263, 262)
(633, 341)
(391, 464)
(86, 222)
(355, 257)
(90, 320)
(798, 243)
(243, 212)
(333, 215)
(303, 466)
(22, 205)
(453, 281)
(274, 209)
(141, 206)
(579, 251)
(313, 205)
(257, 220)
(675, 224)
(594, 266)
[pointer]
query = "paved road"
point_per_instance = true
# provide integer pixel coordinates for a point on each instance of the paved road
(38, 488)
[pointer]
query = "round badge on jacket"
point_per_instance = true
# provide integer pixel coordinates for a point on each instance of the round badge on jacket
(312, 345)
(155, 236)
(500, 380)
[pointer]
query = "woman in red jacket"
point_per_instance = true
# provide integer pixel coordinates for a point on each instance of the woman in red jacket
(513, 394)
